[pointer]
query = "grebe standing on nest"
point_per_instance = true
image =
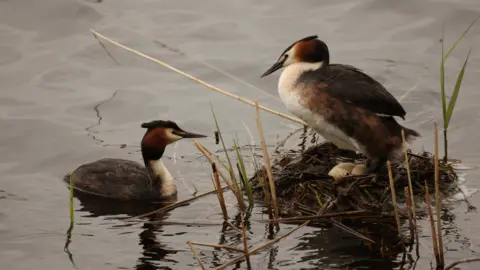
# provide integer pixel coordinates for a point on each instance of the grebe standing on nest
(128, 180)
(340, 102)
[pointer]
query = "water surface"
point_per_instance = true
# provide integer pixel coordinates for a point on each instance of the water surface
(53, 74)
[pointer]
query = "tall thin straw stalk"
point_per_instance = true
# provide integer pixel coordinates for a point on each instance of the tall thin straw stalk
(267, 162)
(244, 236)
(208, 156)
(432, 225)
(410, 186)
(237, 191)
(437, 195)
(196, 255)
(409, 211)
(221, 199)
(394, 198)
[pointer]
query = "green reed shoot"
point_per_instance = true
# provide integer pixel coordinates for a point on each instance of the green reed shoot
(319, 201)
(263, 184)
(237, 190)
(243, 171)
(72, 216)
(447, 111)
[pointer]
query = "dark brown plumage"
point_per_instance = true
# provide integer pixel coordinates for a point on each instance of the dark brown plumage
(340, 102)
(123, 179)
(114, 178)
(352, 86)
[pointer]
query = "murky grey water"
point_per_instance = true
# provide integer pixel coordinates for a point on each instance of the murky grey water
(53, 73)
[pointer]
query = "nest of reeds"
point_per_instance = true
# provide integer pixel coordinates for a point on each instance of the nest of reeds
(303, 184)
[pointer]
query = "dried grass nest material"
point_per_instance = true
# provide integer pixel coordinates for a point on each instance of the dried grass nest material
(302, 181)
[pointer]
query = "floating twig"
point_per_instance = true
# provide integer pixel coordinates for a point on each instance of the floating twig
(175, 205)
(261, 247)
(196, 255)
(468, 260)
(232, 226)
(185, 222)
(349, 230)
(230, 248)
(353, 213)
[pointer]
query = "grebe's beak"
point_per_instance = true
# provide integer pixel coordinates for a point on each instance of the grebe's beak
(278, 65)
(185, 134)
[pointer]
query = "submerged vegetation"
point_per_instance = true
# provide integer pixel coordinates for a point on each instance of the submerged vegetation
(296, 187)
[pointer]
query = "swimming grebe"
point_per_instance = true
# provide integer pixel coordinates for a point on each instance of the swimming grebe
(340, 102)
(129, 180)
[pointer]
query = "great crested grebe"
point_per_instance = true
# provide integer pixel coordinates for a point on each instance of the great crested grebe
(340, 102)
(129, 180)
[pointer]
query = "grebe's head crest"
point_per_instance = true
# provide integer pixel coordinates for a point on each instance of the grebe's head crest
(160, 124)
(166, 132)
(308, 50)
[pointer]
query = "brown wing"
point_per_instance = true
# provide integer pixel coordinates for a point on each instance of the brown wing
(351, 85)
(113, 178)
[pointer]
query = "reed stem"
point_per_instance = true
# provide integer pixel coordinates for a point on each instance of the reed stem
(410, 186)
(268, 198)
(432, 225)
(263, 184)
(72, 215)
(208, 155)
(267, 162)
(243, 173)
(196, 255)
(221, 199)
(409, 210)
(244, 236)
(394, 198)
(236, 187)
(445, 145)
(438, 196)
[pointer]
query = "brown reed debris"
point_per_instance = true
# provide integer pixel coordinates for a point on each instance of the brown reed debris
(221, 199)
